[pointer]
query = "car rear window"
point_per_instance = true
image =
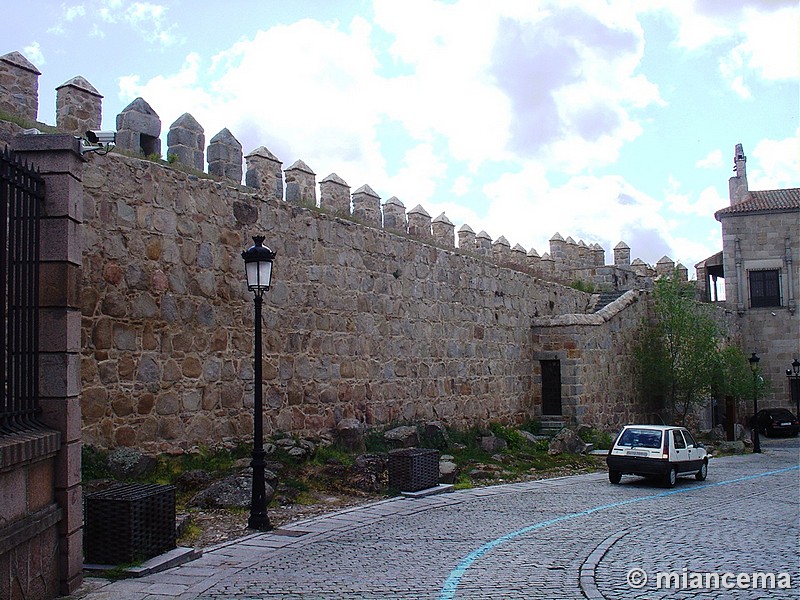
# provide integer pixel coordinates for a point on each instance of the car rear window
(640, 438)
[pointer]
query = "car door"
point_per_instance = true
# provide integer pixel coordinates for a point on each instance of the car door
(681, 456)
(695, 453)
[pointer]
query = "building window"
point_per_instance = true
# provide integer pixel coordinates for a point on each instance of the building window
(765, 288)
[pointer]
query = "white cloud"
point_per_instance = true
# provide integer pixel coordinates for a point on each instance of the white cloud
(713, 160)
(34, 53)
(775, 164)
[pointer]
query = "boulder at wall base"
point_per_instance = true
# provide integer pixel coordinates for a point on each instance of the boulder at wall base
(491, 443)
(350, 434)
(233, 492)
(404, 436)
(448, 471)
(567, 441)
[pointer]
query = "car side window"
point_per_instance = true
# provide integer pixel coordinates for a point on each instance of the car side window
(678, 437)
(689, 439)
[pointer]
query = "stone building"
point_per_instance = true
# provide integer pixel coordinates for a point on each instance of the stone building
(760, 264)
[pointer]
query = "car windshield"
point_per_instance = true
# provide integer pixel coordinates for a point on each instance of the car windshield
(641, 438)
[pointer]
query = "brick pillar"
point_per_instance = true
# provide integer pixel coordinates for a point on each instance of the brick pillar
(59, 160)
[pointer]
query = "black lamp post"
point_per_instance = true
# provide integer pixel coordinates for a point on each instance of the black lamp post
(258, 267)
(753, 360)
(794, 385)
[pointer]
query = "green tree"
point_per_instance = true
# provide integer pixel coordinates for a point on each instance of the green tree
(678, 351)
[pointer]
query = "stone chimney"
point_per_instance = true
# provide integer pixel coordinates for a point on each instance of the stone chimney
(79, 107)
(737, 185)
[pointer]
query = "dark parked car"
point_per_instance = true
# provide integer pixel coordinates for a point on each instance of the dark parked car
(777, 421)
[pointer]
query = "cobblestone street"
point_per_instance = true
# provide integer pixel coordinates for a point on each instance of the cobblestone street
(570, 537)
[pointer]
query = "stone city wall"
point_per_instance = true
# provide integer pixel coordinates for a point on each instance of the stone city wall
(360, 322)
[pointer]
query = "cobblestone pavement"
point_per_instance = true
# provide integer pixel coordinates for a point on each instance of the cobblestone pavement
(571, 537)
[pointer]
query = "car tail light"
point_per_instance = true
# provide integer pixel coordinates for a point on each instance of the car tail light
(665, 449)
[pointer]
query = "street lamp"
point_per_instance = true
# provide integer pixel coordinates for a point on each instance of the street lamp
(794, 384)
(753, 360)
(258, 268)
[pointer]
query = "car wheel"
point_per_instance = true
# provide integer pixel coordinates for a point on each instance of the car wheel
(671, 477)
(702, 473)
(614, 476)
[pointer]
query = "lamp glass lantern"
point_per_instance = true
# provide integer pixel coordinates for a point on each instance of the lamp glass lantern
(258, 265)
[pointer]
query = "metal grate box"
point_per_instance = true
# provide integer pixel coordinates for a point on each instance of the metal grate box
(127, 523)
(413, 469)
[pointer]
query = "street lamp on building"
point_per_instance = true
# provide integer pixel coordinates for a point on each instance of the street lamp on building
(753, 360)
(794, 385)
(258, 268)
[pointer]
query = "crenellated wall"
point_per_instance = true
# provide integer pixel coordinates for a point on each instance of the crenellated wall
(374, 312)
(360, 322)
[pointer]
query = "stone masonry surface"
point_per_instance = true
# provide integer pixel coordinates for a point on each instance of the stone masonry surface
(408, 548)
(360, 322)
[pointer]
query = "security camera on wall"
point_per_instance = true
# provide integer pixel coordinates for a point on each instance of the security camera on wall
(98, 141)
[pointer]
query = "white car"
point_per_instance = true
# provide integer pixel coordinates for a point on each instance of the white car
(656, 451)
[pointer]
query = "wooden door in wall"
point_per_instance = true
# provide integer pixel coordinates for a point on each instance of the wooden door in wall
(551, 387)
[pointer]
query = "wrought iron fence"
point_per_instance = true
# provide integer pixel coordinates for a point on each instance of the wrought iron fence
(21, 195)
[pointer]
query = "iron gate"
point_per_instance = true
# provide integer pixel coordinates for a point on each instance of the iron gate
(21, 195)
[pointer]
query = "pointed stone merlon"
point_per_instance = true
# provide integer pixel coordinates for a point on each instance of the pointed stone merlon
(225, 156)
(139, 129)
(737, 185)
(682, 272)
(367, 206)
(547, 265)
(394, 215)
(640, 267)
(466, 238)
(419, 223)
(19, 86)
(483, 244)
(301, 184)
(558, 248)
(444, 232)
(518, 255)
(622, 255)
(186, 140)
(264, 173)
(79, 107)
(599, 255)
(334, 194)
(665, 267)
(501, 249)
(533, 259)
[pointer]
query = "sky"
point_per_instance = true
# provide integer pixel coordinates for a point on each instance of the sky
(602, 120)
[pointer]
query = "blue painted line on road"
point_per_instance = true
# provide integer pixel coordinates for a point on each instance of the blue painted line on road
(451, 584)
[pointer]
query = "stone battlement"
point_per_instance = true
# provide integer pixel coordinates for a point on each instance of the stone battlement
(138, 130)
